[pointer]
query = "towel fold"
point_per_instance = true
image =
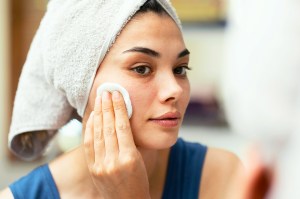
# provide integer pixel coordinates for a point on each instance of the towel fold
(71, 42)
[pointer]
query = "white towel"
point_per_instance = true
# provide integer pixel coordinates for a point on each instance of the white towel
(67, 49)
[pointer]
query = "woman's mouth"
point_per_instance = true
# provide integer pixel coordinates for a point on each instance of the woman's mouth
(168, 120)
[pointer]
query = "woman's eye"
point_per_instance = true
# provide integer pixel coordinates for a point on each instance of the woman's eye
(143, 70)
(181, 70)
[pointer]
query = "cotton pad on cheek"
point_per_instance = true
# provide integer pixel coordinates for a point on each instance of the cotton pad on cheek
(117, 87)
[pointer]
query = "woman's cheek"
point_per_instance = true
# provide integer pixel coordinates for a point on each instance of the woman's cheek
(140, 106)
(137, 103)
(186, 92)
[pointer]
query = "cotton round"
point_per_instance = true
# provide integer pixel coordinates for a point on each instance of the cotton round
(117, 87)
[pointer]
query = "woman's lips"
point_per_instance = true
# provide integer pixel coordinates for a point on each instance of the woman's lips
(166, 122)
(169, 119)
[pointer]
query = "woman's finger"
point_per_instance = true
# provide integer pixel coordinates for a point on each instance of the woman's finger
(109, 132)
(99, 145)
(89, 141)
(122, 125)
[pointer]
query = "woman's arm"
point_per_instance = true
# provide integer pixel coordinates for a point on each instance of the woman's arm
(6, 193)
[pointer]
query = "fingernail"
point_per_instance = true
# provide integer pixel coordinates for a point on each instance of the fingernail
(116, 95)
(105, 95)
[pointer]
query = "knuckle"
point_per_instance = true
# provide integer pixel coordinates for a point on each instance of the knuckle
(119, 105)
(97, 170)
(97, 128)
(109, 130)
(111, 167)
(129, 161)
(131, 158)
(99, 142)
(106, 109)
(122, 127)
(87, 143)
(97, 112)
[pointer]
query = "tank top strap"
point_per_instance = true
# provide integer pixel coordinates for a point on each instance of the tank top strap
(184, 172)
(39, 183)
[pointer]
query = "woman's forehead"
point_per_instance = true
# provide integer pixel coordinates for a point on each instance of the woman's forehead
(149, 30)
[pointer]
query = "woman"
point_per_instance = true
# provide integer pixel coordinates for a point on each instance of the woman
(122, 158)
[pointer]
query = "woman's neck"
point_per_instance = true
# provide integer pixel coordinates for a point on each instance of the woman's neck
(156, 163)
(153, 160)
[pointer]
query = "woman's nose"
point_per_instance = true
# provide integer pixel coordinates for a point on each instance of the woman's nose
(169, 89)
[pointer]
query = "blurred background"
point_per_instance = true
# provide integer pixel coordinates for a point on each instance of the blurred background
(204, 26)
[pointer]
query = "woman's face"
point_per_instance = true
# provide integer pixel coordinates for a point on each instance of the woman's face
(149, 59)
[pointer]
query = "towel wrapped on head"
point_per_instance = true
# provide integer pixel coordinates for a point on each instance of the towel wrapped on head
(72, 40)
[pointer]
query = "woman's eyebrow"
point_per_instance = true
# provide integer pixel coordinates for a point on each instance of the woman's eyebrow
(153, 53)
(183, 53)
(144, 50)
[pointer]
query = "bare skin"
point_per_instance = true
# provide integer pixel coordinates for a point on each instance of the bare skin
(122, 158)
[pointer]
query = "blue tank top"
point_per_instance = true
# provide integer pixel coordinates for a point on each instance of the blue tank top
(185, 165)
(182, 179)
(38, 184)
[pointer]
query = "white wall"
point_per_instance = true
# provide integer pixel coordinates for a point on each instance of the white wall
(207, 55)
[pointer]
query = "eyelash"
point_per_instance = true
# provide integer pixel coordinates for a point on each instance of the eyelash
(140, 67)
(150, 70)
(185, 70)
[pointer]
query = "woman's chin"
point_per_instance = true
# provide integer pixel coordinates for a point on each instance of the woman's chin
(157, 142)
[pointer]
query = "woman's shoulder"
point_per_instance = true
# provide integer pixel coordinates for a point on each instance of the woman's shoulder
(219, 160)
(220, 170)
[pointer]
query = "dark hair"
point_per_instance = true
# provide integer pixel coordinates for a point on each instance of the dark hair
(152, 6)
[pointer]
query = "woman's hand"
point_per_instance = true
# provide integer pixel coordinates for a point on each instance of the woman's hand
(116, 166)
